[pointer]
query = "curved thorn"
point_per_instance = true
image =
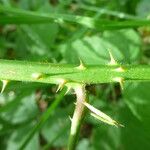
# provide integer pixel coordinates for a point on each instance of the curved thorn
(75, 103)
(81, 66)
(70, 118)
(68, 89)
(120, 69)
(112, 60)
(4, 82)
(61, 85)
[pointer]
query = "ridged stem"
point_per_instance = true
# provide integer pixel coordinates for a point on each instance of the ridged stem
(60, 73)
(78, 116)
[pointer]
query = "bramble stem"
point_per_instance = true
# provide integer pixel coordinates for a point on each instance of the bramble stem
(78, 116)
(60, 73)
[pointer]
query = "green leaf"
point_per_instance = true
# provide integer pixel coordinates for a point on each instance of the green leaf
(94, 49)
(106, 138)
(43, 119)
(17, 116)
(125, 45)
(18, 137)
(136, 133)
(56, 129)
(83, 144)
(15, 102)
(136, 96)
(143, 8)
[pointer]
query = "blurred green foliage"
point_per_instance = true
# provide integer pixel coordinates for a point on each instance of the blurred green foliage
(23, 105)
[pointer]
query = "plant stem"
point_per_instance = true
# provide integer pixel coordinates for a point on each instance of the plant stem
(44, 118)
(60, 73)
(108, 12)
(78, 116)
(19, 16)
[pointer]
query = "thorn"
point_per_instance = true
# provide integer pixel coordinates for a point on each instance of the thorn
(70, 118)
(61, 85)
(36, 76)
(68, 89)
(120, 80)
(108, 121)
(101, 116)
(81, 66)
(120, 69)
(4, 82)
(112, 60)
(75, 103)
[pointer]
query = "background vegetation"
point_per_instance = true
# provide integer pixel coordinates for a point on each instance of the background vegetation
(32, 115)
